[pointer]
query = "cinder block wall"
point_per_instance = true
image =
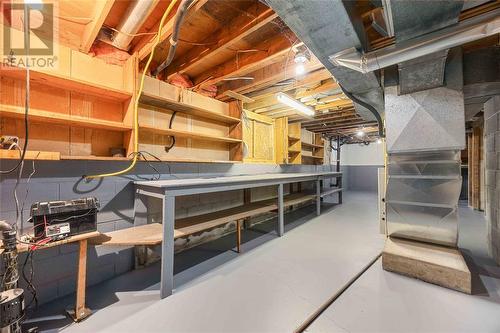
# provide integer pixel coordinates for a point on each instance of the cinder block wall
(55, 268)
(492, 179)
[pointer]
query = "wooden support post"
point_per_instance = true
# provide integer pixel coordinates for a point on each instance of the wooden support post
(469, 168)
(475, 164)
(238, 236)
(81, 312)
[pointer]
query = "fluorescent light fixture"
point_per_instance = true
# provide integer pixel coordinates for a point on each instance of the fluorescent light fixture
(295, 104)
(360, 133)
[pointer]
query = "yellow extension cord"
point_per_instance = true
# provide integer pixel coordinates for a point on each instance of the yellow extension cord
(136, 105)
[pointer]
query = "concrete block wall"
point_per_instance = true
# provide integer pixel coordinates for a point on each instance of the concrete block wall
(55, 268)
(492, 174)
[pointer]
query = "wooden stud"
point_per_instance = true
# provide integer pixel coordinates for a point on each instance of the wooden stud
(475, 163)
(101, 11)
(81, 312)
(238, 236)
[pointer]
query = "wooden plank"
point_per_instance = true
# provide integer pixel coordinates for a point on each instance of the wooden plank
(469, 168)
(145, 46)
(57, 80)
(188, 134)
(61, 118)
(436, 264)
(268, 52)
(168, 104)
(237, 96)
(475, 164)
(227, 37)
(31, 155)
(257, 117)
(81, 280)
(327, 85)
(101, 11)
(151, 234)
(281, 140)
(71, 239)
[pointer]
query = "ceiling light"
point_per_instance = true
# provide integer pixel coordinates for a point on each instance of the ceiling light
(360, 133)
(299, 69)
(293, 103)
(379, 140)
(300, 59)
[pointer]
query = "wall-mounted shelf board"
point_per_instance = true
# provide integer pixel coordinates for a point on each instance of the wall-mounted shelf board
(188, 134)
(30, 155)
(172, 105)
(314, 157)
(306, 144)
(61, 118)
(63, 82)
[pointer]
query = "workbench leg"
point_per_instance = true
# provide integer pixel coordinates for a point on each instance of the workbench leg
(238, 235)
(81, 312)
(281, 211)
(140, 209)
(318, 197)
(339, 184)
(167, 247)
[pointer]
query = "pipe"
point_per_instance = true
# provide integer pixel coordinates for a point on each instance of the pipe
(181, 13)
(136, 14)
(464, 32)
(369, 108)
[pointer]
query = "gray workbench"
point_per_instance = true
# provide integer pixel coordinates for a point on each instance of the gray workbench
(168, 190)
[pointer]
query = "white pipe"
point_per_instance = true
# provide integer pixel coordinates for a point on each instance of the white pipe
(135, 16)
(464, 32)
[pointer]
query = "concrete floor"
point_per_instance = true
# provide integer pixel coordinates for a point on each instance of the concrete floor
(277, 283)
(380, 301)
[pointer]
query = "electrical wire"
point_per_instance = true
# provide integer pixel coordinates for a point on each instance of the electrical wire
(90, 211)
(136, 105)
(172, 138)
(154, 33)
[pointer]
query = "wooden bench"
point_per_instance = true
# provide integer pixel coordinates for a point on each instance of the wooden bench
(152, 234)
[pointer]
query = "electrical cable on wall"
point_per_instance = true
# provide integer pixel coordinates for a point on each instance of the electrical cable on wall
(172, 138)
(136, 104)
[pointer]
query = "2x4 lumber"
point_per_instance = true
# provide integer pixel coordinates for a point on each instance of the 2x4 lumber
(476, 172)
(329, 84)
(333, 123)
(266, 53)
(240, 97)
(31, 155)
(353, 124)
(188, 134)
(62, 118)
(101, 11)
(145, 46)
(316, 74)
(254, 18)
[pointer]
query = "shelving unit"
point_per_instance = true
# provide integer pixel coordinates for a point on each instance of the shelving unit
(79, 109)
(294, 144)
(313, 149)
(205, 129)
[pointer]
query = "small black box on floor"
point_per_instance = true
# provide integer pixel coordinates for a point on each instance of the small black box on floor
(61, 219)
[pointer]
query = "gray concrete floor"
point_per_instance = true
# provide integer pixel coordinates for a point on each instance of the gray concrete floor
(274, 285)
(381, 301)
(279, 282)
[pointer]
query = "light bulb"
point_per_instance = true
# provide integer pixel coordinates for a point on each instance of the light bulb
(379, 141)
(300, 69)
(360, 133)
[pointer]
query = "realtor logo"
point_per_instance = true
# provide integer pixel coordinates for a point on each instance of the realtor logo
(38, 51)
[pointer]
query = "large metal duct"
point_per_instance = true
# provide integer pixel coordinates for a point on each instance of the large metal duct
(135, 16)
(326, 27)
(464, 32)
(425, 132)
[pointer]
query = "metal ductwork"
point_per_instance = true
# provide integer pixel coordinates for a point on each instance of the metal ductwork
(327, 27)
(136, 14)
(464, 32)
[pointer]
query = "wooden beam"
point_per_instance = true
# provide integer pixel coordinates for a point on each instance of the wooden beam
(350, 120)
(325, 86)
(267, 52)
(145, 45)
(239, 97)
(101, 11)
(351, 125)
(254, 18)
(314, 76)
(476, 166)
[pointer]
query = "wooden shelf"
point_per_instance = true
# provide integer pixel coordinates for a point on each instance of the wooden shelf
(61, 118)
(306, 144)
(169, 104)
(93, 158)
(291, 151)
(315, 157)
(63, 82)
(30, 155)
(188, 134)
(292, 138)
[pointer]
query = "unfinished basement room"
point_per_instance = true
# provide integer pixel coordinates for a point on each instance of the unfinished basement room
(250, 166)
